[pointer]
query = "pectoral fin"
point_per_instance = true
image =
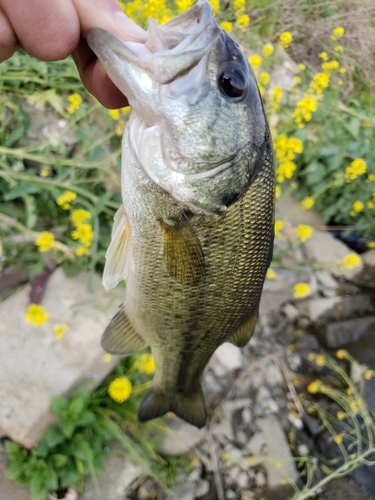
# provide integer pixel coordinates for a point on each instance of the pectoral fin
(245, 332)
(182, 252)
(118, 253)
(120, 337)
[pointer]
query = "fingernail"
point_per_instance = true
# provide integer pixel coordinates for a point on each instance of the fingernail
(131, 31)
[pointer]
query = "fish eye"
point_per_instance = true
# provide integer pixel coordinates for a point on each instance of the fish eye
(233, 82)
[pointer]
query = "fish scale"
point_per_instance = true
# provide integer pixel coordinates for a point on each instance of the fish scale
(194, 236)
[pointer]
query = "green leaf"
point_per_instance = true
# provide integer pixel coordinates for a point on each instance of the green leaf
(14, 471)
(59, 405)
(70, 477)
(20, 190)
(354, 126)
(82, 451)
(101, 202)
(14, 136)
(31, 212)
(68, 428)
(76, 406)
(38, 488)
(87, 418)
(59, 460)
(54, 435)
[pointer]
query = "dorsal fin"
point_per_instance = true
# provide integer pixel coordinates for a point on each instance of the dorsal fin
(245, 332)
(120, 337)
(118, 253)
(182, 251)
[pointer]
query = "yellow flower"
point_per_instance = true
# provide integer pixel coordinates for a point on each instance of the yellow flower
(84, 234)
(36, 315)
(60, 330)
(285, 39)
(354, 405)
(45, 242)
(324, 56)
(277, 191)
(75, 101)
(302, 67)
(44, 172)
(243, 21)
(279, 224)
(320, 360)
(314, 387)
(107, 358)
(307, 202)
(300, 290)
(305, 107)
(341, 353)
(183, 5)
(349, 261)
(79, 215)
(145, 363)
(371, 244)
(66, 199)
(267, 50)
(340, 415)
(319, 82)
(226, 26)
(327, 66)
(355, 169)
(264, 78)
(368, 374)
(338, 48)
(120, 389)
(311, 356)
(278, 464)
(342, 70)
(215, 4)
(338, 439)
(337, 33)
(349, 391)
(357, 206)
(297, 79)
(83, 250)
(239, 4)
(255, 61)
(270, 275)
(114, 113)
(285, 170)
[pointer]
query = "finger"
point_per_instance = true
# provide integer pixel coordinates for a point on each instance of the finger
(95, 79)
(48, 30)
(107, 14)
(8, 39)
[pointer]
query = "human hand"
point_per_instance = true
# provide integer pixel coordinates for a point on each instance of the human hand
(53, 29)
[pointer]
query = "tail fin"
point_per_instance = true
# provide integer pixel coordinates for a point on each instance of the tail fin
(189, 407)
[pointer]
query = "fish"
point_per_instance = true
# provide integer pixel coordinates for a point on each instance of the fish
(193, 237)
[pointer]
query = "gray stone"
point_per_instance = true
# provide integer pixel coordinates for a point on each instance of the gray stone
(324, 249)
(34, 367)
(119, 475)
(226, 358)
(273, 300)
(279, 465)
(314, 309)
(326, 280)
(303, 450)
(180, 438)
(230, 494)
(291, 312)
(203, 487)
(185, 491)
(290, 209)
(263, 394)
(247, 416)
(260, 479)
(256, 444)
(367, 276)
(273, 375)
(340, 333)
(242, 480)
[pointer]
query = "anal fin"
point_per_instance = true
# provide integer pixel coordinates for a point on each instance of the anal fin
(182, 252)
(245, 332)
(120, 337)
(190, 407)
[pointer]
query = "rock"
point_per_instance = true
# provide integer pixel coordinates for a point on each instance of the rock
(290, 209)
(34, 367)
(119, 475)
(326, 280)
(314, 309)
(247, 416)
(226, 358)
(184, 491)
(203, 487)
(280, 465)
(256, 443)
(181, 437)
(303, 450)
(323, 248)
(291, 312)
(242, 480)
(367, 276)
(342, 333)
(273, 375)
(260, 479)
(272, 300)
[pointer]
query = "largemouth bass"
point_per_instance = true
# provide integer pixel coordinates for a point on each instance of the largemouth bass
(194, 236)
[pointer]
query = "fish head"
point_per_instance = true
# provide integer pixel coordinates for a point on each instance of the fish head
(198, 125)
